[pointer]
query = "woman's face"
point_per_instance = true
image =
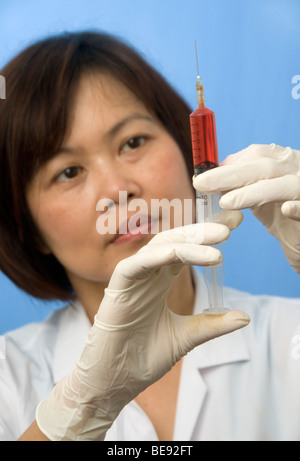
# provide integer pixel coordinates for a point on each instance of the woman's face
(114, 144)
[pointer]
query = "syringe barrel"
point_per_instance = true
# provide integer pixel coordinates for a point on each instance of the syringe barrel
(205, 157)
(204, 139)
(207, 207)
(208, 210)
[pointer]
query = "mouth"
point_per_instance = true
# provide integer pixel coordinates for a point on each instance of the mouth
(134, 230)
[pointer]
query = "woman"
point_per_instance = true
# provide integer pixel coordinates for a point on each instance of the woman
(86, 118)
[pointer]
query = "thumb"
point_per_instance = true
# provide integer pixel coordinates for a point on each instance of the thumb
(202, 327)
(291, 209)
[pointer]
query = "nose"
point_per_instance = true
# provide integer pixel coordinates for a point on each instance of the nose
(115, 178)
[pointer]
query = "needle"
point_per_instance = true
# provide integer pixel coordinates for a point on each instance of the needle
(197, 57)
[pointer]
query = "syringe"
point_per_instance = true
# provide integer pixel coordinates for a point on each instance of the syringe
(205, 157)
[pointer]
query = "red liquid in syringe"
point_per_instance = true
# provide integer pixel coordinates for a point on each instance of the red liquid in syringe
(204, 136)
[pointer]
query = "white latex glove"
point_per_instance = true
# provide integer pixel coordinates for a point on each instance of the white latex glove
(135, 338)
(265, 178)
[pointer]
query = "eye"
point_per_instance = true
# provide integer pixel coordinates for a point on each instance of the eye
(133, 143)
(69, 173)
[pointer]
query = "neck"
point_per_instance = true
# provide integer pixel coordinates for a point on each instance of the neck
(180, 298)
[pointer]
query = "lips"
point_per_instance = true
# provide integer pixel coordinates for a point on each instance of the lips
(135, 228)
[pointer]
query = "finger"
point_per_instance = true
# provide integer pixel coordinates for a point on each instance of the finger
(234, 176)
(255, 163)
(231, 218)
(255, 152)
(140, 265)
(203, 327)
(163, 255)
(266, 191)
(291, 209)
(204, 234)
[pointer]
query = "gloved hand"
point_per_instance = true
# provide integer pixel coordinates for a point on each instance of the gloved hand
(135, 338)
(265, 178)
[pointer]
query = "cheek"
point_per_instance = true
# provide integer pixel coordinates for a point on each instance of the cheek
(61, 224)
(173, 179)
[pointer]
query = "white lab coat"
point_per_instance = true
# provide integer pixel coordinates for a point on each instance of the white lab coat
(242, 386)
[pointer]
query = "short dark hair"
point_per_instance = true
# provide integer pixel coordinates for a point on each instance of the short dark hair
(41, 83)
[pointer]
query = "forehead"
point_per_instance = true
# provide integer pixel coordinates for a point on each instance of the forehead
(100, 100)
(103, 90)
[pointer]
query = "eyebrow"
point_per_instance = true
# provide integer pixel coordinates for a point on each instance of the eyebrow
(116, 128)
(111, 132)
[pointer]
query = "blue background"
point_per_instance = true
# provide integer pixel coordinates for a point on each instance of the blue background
(248, 53)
